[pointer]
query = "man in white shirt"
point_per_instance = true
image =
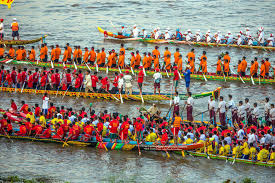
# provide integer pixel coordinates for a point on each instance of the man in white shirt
(198, 37)
(270, 40)
(222, 110)
(241, 112)
(247, 33)
(176, 103)
(144, 33)
(272, 114)
(252, 138)
(207, 38)
(120, 83)
(123, 31)
(211, 108)
(189, 33)
(128, 83)
(239, 40)
(266, 109)
(218, 38)
(255, 113)
(135, 31)
(189, 107)
(167, 35)
(1, 29)
(240, 133)
(88, 82)
(45, 104)
(234, 111)
(187, 37)
(250, 41)
(261, 36)
(248, 110)
(157, 79)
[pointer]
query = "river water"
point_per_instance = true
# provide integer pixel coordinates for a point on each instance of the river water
(76, 22)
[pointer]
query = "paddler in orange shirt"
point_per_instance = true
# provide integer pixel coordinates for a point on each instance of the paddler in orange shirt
(2, 51)
(267, 66)
(227, 57)
(226, 67)
(262, 69)
(24, 53)
(92, 56)
(191, 55)
(11, 52)
(145, 60)
(103, 58)
(65, 55)
(98, 57)
(202, 59)
(79, 55)
(150, 59)
(252, 69)
(75, 54)
(33, 52)
(138, 59)
(69, 55)
(204, 66)
(133, 60)
(114, 58)
(42, 53)
(156, 52)
(86, 55)
(166, 53)
(31, 57)
(168, 63)
(46, 52)
(52, 53)
(179, 64)
(57, 53)
(156, 62)
(243, 66)
(239, 67)
(122, 49)
(176, 56)
(256, 67)
(109, 59)
(219, 66)
(18, 53)
(192, 65)
(121, 58)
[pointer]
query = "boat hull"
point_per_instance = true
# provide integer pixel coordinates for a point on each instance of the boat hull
(22, 42)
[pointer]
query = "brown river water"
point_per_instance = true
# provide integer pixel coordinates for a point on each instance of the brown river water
(76, 22)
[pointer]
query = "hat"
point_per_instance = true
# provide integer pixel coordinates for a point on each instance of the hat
(177, 30)
(157, 70)
(134, 25)
(158, 28)
(185, 32)
(14, 19)
(228, 32)
(198, 30)
(188, 66)
(208, 31)
(271, 35)
(1, 19)
(140, 67)
(247, 28)
(127, 72)
(122, 26)
(188, 30)
(166, 30)
(122, 74)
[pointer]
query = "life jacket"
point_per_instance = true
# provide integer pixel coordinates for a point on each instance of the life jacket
(14, 26)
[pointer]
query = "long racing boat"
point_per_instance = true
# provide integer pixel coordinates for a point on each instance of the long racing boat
(197, 76)
(21, 42)
(146, 96)
(163, 41)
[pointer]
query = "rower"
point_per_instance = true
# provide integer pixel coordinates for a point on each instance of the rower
(156, 62)
(144, 32)
(207, 38)
(69, 49)
(65, 55)
(140, 79)
(123, 31)
(253, 72)
(255, 113)
(179, 64)
(247, 33)
(102, 58)
(190, 35)
(2, 51)
(270, 40)
(166, 54)
(248, 110)
(219, 66)
(229, 38)
(262, 69)
(149, 62)
(191, 55)
(128, 82)
(267, 110)
(267, 66)
(198, 37)
(176, 78)
(176, 57)
(156, 52)
(144, 60)
(115, 90)
(86, 55)
(241, 112)
(272, 115)
(157, 79)
(11, 53)
(261, 36)
(217, 38)
(222, 110)
(52, 54)
(226, 68)
(132, 60)
(239, 40)
(1, 29)
(189, 107)
(211, 108)
(176, 126)
(137, 60)
(98, 57)
(15, 29)
(121, 59)
(120, 83)
(57, 53)
(243, 66)
(167, 35)
(250, 41)
(92, 56)
(178, 35)
(135, 31)
(75, 54)
(79, 55)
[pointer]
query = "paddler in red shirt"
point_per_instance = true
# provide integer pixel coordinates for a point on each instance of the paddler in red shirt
(24, 108)
(124, 131)
(68, 78)
(37, 129)
(164, 138)
(52, 75)
(9, 128)
(176, 77)
(73, 134)
(140, 79)
(51, 110)
(47, 133)
(94, 79)
(59, 132)
(4, 124)
(22, 130)
(113, 126)
(138, 128)
(35, 77)
(57, 79)
(43, 81)
(30, 80)
(8, 80)
(100, 126)
(13, 106)
(88, 131)
(37, 110)
(13, 75)
(77, 83)
(28, 126)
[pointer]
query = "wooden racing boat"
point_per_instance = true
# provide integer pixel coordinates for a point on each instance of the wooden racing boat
(198, 76)
(22, 42)
(163, 41)
(135, 97)
(119, 145)
(230, 159)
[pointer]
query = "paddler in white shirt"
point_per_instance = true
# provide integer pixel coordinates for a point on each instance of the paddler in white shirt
(241, 112)
(189, 33)
(272, 115)
(261, 36)
(234, 111)
(270, 40)
(135, 31)
(123, 31)
(239, 40)
(266, 109)
(222, 110)
(250, 41)
(199, 31)
(144, 33)
(255, 113)
(176, 103)
(247, 33)
(198, 37)
(217, 38)
(209, 34)
(189, 107)
(229, 37)
(211, 108)
(207, 38)
(248, 110)
(157, 34)
(167, 35)
(187, 37)
(169, 32)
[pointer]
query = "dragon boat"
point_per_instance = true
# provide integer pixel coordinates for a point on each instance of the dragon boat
(197, 76)
(22, 42)
(163, 41)
(146, 96)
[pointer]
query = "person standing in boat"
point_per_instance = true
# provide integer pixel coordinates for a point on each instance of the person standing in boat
(189, 107)
(187, 77)
(15, 29)
(222, 111)
(135, 31)
(1, 30)
(157, 79)
(140, 78)
(211, 108)
(176, 104)
(128, 83)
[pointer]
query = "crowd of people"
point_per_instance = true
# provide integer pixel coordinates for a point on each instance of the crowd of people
(147, 60)
(242, 140)
(242, 38)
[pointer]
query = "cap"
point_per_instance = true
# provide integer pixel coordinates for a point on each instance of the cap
(127, 72)
(247, 28)
(1, 19)
(228, 32)
(177, 30)
(14, 19)
(140, 67)
(271, 35)
(157, 70)
(135, 25)
(208, 31)
(122, 74)
(188, 30)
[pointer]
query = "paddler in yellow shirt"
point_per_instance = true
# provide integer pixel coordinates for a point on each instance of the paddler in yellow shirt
(188, 140)
(31, 116)
(272, 156)
(252, 151)
(226, 149)
(245, 150)
(221, 149)
(152, 136)
(42, 120)
(212, 148)
(237, 150)
(263, 154)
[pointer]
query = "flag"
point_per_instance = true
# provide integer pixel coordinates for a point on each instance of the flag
(7, 2)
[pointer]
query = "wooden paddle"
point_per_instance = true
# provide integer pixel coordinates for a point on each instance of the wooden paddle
(88, 67)
(112, 95)
(252, 80)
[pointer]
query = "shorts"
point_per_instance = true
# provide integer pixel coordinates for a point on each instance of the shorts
(157, 85)
(100, 65)
(113, 135)
(136, 66)
(113, 65)
(187, 84)
(45, 111)
(176, 83)
(1, 35)
(56, 60)
(15, 33)
(140, 85)
(94, 88)
(243, 74)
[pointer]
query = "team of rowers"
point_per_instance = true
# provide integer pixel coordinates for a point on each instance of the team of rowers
(243, 140)
(147, 60)
(243, 38)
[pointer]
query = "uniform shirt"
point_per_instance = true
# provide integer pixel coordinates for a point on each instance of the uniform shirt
(198, 38)
(157, 76)
(247, 107)
(45, 103)
(120, 82)
(1, 28)
(167, 36)
(266, 107)
(251, 138)
(272, 113)
(240, 134)
(261, 37)
(241, 111)
(176, 100)
(231, 104)
(212, 104)
(221, 106)
(190, 101)
(239, 41)
(157, 34)
(135, 32)
(256, 112)
(128, 80)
